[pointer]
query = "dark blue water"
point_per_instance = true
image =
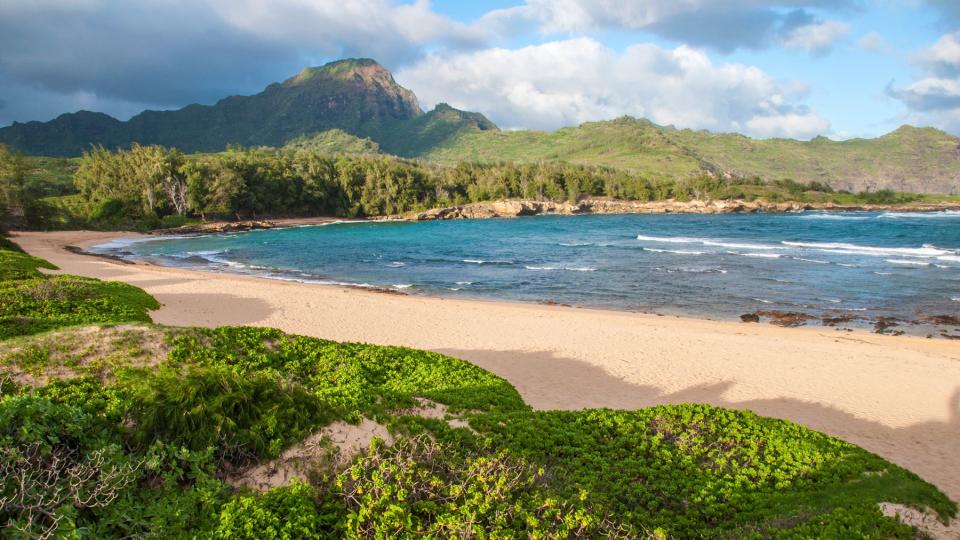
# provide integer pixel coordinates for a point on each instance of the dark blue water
(863, 264)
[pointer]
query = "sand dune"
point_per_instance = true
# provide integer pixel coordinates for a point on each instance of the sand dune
(896, 396)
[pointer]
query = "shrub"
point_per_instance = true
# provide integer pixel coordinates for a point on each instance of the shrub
(420, 489)
(15, 264)
(284, 513)
(29, 306)
(51, 467)
(242, 416)
(353, 378)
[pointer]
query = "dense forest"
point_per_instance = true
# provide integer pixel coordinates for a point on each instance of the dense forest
(154, 186)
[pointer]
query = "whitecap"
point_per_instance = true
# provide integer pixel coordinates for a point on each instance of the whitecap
(763, 300)
(396, 264)
(921, 215)
(670, 239)
(693, 270)
(949, 258)
(832, 216)
(403, 285)
(884, 273)
(341, 222)
(481, 261)
(815, 261)
(736, 245)
(575, 244)
(853, 249)
(907, 263)
(675, 251)
(464, 283)
(762, 255)
(955, 298)
(568, 268)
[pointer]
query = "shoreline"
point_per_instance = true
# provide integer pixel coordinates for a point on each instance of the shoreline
(898, 397)
(510, 208)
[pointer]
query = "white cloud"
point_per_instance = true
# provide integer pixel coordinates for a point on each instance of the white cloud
(933, 97)
(723, 25)
(873, 41)
(944, 55)
(564, 83)
(816, 38)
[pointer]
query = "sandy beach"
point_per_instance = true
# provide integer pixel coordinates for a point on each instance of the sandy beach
(896, 396)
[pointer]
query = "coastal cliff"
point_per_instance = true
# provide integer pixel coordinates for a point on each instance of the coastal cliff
(517, 208)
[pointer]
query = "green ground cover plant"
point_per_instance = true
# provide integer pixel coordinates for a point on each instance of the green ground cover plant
(114, 427)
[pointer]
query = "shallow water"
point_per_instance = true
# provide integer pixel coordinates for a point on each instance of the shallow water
(719, 266)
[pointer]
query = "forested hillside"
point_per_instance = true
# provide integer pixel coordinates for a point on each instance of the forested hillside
(909, 159)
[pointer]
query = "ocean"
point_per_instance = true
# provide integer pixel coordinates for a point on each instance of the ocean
(857, 266)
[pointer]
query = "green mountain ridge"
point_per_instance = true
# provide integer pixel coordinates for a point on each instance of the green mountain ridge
(361, 100)
(907, 159)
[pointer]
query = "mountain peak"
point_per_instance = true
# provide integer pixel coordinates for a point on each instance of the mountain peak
(365, 69)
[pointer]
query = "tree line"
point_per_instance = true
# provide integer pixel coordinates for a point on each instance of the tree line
(152, 183)
(252, 182)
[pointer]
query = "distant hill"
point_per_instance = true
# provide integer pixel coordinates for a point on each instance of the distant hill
(908, 159)
(355, 106)
(334, 141)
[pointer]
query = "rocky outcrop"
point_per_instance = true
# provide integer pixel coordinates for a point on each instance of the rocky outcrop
(517, 208)
(217, 227)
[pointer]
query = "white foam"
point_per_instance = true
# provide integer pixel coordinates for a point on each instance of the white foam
(853, 249)
(884, 273)
(736, 245)
(763, 255)
(675, 251)
(464, 283)
(763, 300)
(568, 268)
(955, 298)
(907, 263)
(118, 244)
(575, 244)
(403, 285)
(949, 258)
(832, 216)
(670, 239)
(396, 264)
(481, 261)
(815, 261)
(344, 222)
(921, 215)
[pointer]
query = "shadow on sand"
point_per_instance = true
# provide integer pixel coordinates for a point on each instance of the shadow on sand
(546, 381)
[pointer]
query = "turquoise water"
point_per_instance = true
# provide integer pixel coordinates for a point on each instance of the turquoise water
(719, 266)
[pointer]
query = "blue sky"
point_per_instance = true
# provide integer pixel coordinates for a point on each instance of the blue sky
(792, 68)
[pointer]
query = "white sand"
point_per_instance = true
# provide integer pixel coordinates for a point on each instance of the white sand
(896, 396)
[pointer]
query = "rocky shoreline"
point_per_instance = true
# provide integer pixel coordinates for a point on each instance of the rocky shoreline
(930, 326)
(518, 208)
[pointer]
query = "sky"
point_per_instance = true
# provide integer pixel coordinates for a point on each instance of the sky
(765, 68)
